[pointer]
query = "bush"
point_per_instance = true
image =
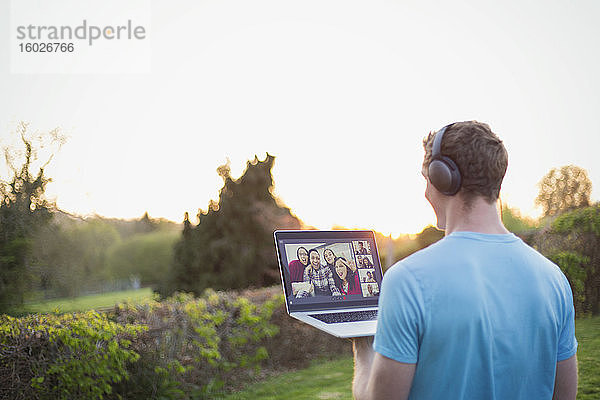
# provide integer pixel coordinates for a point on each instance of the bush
(181, 348)
(573, 241)
(194, 346)
(298, 344)
(63, 357)
(573, 266)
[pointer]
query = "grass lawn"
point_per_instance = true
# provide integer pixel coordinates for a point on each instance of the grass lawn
(89, 302)
(587, 331)
(332, 379)
(324, 380)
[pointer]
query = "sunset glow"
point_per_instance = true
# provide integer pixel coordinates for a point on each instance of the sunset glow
(342, 93)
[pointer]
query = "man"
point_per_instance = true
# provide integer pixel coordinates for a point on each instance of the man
(479, 314)
(320, 276)
(361, 249)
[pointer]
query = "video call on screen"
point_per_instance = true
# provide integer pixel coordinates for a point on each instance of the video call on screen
(339, 270)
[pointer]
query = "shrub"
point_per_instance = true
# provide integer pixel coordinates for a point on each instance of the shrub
(194, 346)
(181, 348)
(574, 267)
(573, 241)
(63, 357)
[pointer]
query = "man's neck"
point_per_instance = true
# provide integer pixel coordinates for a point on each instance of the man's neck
(481, 217)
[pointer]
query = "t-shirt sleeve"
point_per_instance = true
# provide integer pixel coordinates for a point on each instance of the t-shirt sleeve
(567, 343)
(400, 316)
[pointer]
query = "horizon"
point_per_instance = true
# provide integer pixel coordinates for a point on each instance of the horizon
(501, 207)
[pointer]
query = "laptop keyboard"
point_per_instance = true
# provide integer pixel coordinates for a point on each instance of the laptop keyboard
(349, 316)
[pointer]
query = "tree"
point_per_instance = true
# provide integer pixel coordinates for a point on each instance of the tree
(563, 189)
(522, 226)
(147, 256)
(23, 209)
(232, 245)
(428, 236)
(146, 224)
(573, 242)
(71, 260)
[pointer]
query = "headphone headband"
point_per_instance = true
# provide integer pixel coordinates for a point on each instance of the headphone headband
(436, 151)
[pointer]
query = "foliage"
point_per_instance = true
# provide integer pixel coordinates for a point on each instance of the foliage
(73, 256)
(23, 209)
(563, 189)
(586, 220)
(516, 223)
(191, 347)
(573, 242)
(147, 256)
(145, 224)
(195, 345)
(232, 245)
(70, 260)
(573, 266)
(63, 357)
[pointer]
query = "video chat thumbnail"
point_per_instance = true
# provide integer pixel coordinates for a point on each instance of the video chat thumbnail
(331, 269)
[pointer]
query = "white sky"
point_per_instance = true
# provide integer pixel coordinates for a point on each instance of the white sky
(342, 92)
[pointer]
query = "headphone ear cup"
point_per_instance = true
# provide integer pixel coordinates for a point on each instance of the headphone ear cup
(444, 175)
(440, 175)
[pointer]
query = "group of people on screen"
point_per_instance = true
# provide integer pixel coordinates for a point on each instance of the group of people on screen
(324, 274)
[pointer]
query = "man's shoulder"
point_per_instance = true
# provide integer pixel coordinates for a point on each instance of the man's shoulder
(426, 255)
(415, 264)
(465, 247)
(462, 246)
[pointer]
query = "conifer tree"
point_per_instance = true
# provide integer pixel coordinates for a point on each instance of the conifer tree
(232, 245)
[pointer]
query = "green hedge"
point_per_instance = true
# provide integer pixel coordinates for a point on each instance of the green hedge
(195, 346)
(180, 348)
(64, 357)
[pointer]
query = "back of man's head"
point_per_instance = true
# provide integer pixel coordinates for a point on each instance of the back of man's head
(479, 154)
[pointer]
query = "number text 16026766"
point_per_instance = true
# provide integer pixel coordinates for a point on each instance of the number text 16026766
(46, 47)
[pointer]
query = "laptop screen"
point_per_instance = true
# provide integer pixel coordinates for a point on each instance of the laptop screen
(328, 269)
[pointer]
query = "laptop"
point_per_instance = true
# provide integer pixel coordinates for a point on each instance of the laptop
(331, 279)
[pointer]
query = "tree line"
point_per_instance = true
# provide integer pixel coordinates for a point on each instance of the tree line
(47, 253)
(44, 251)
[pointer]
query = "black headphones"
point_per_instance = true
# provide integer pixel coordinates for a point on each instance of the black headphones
(443, 172)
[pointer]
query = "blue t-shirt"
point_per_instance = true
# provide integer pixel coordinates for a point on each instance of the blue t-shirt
(483, 316)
